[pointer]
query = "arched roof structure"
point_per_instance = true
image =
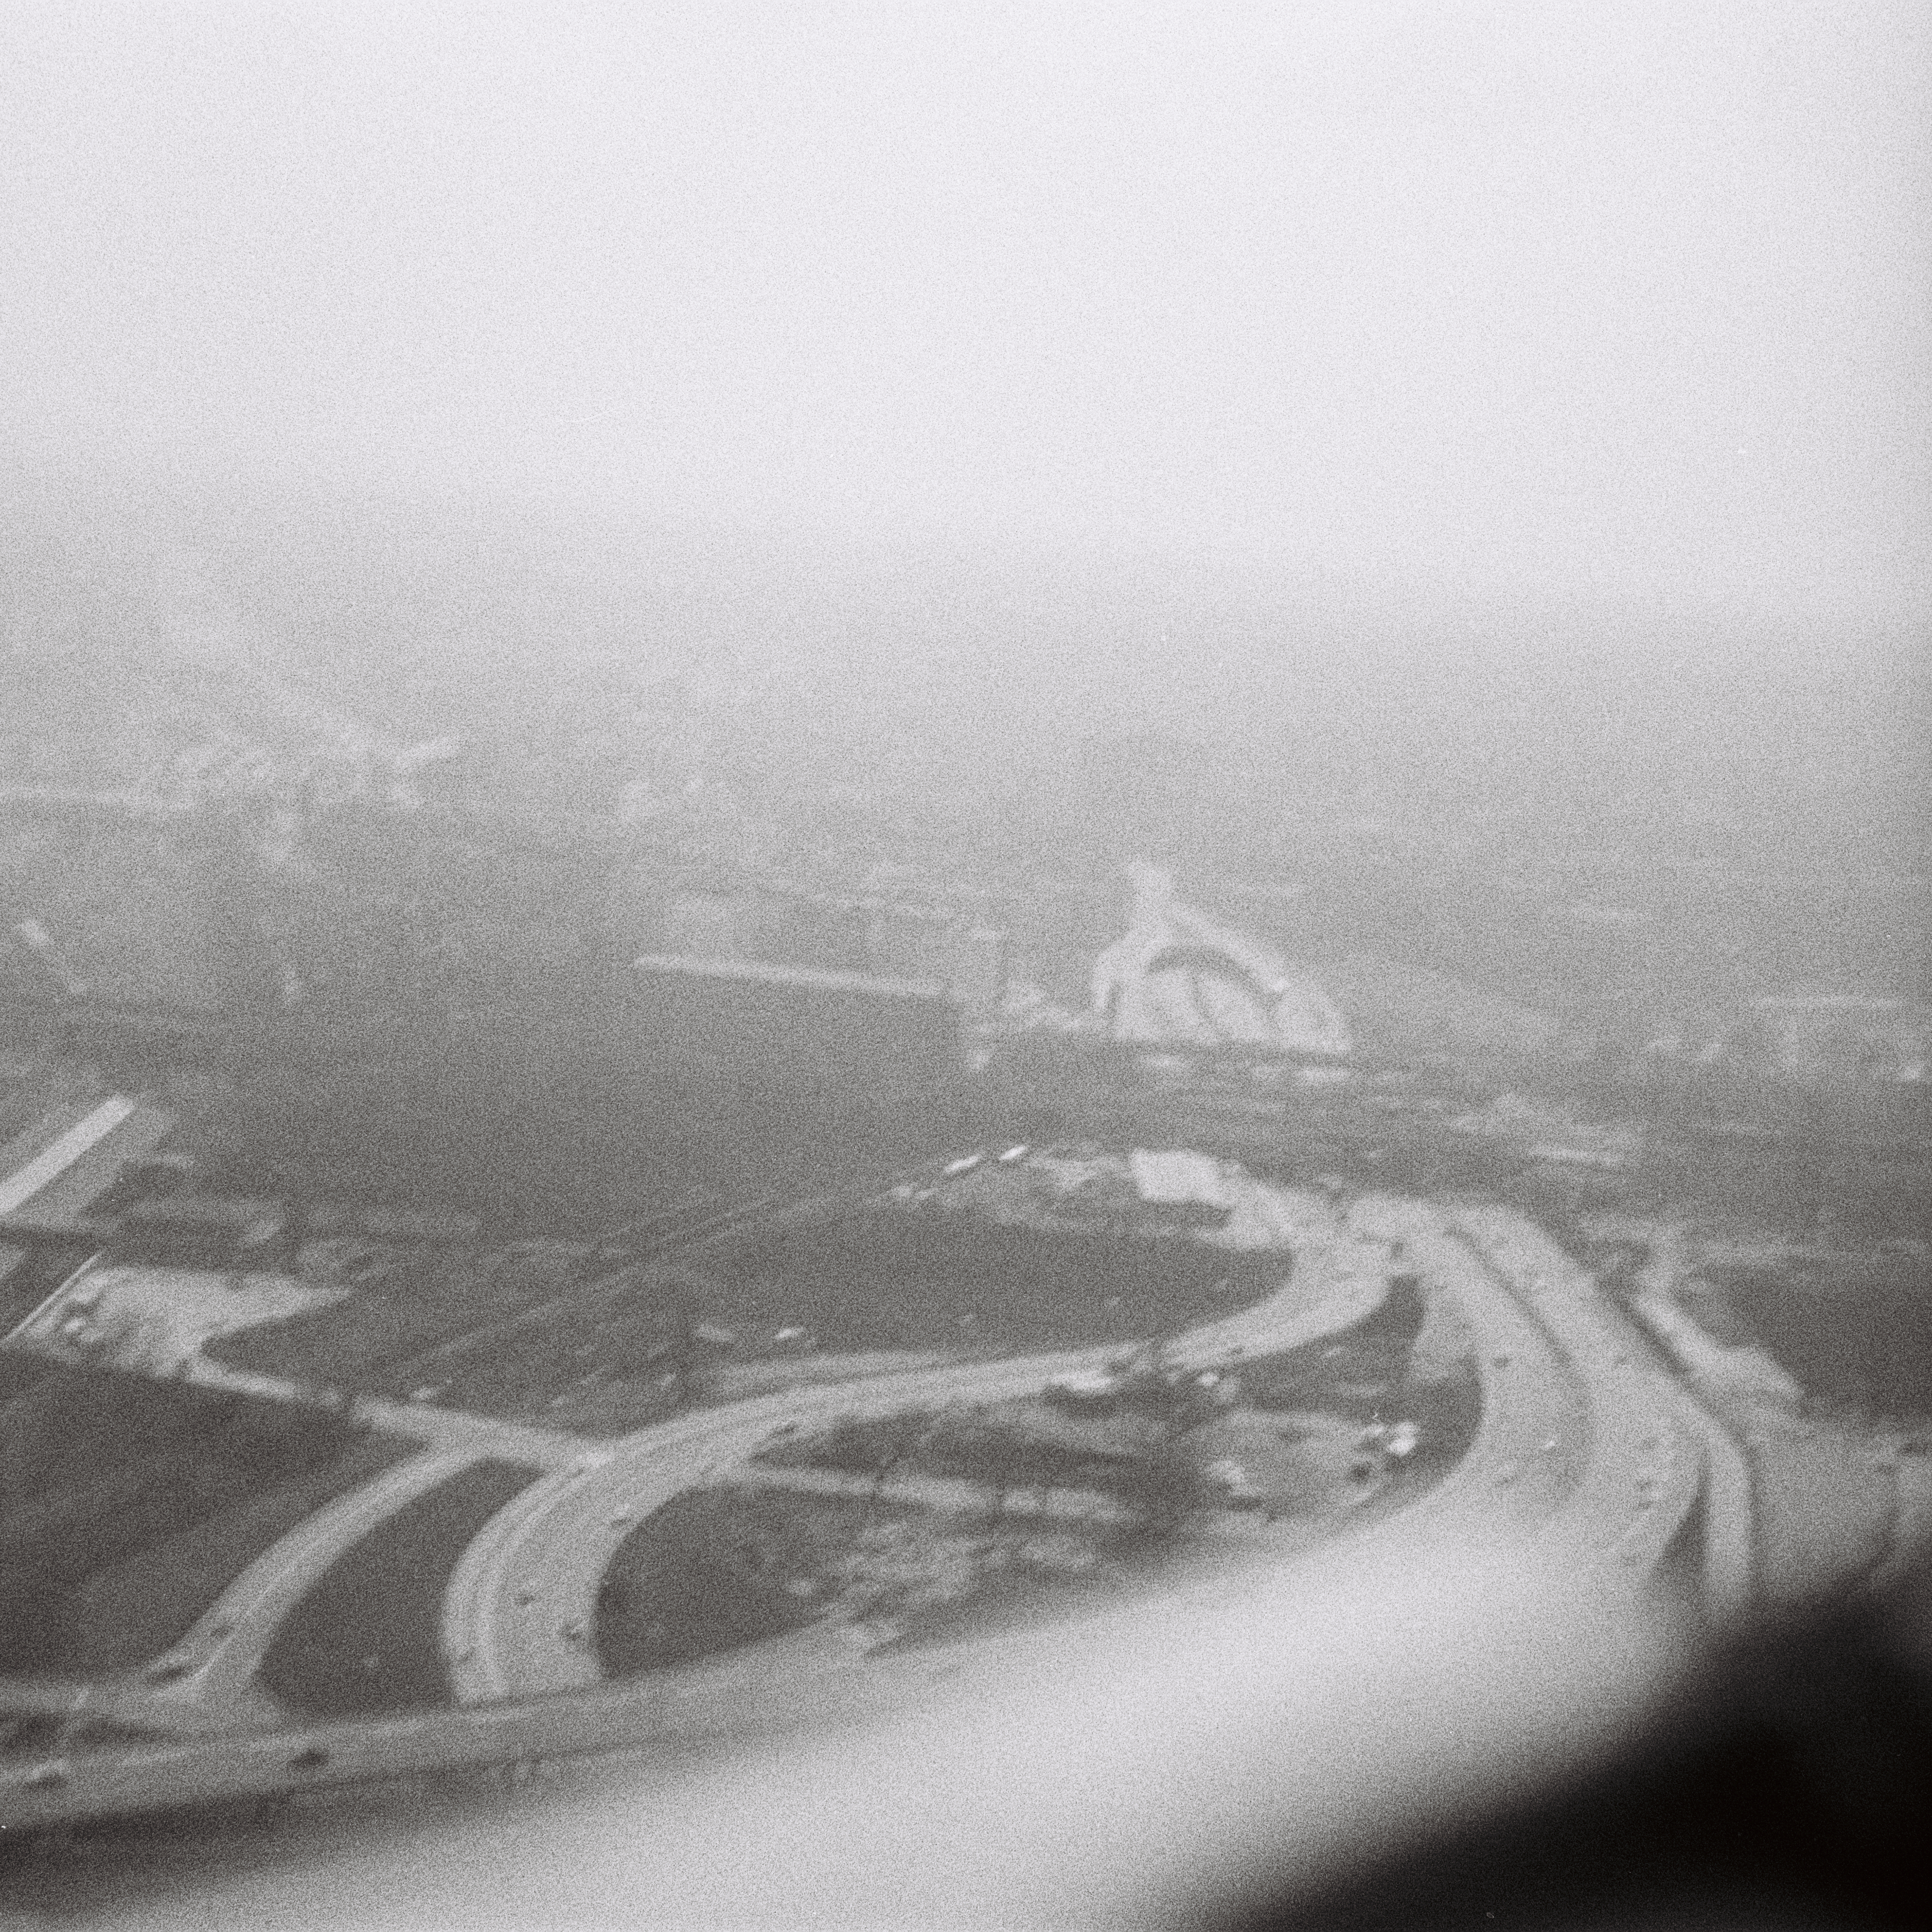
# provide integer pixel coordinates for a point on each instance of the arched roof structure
(1177, 977)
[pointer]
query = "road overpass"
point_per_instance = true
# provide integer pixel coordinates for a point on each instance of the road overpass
(1584, 1448)
(1577, 1442)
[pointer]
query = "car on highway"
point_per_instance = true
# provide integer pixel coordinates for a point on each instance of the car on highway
(1086, 1391)
(1230, 1482)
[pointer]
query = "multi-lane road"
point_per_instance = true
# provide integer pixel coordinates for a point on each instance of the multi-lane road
(523, 1600)
(1585, 1445)
(1646, 1464)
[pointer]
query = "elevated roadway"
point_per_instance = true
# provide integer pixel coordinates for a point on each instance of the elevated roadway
(215, 1664)
(523, 1601)
(1577, 1441)
(1582, 1448)
(1644, 1472)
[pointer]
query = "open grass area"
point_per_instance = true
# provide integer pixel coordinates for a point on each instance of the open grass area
(1355, 1372)
(366, 1639)
(544, 1336)
(1857, 1334)
(930, 1523)
(597, 1342)
(717, 1569)
(413, 1301)
(1008, 1447)
(128, 1505)
(134, 1609)
(523, 1331)
(19, 1372)
(1407, 1361)
(891, 1277)
(595, 1361)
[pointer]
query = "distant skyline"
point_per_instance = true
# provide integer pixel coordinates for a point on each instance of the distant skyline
(1430, 309)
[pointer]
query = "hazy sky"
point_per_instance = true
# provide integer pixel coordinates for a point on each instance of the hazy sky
(1603, 300)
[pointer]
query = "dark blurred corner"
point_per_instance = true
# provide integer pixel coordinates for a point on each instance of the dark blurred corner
(1796, 1792)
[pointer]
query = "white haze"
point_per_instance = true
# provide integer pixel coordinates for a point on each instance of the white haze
(1447, 312)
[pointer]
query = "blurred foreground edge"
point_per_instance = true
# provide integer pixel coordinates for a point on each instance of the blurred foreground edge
(1417, 1736)
(1782, 1779)
(1429, 1736)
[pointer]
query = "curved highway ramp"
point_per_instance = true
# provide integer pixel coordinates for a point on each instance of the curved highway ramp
(1586, 1447)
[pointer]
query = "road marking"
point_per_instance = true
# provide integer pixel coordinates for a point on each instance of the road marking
(51, 1162)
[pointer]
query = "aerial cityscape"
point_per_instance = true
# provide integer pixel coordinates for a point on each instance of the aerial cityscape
(480, 1234)
(966, 966)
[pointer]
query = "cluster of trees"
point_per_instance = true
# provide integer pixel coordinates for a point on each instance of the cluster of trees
(1148, 1468)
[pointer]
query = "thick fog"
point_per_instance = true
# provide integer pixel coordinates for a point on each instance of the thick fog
(821, 822)
(1428, 307)
(1486, 409)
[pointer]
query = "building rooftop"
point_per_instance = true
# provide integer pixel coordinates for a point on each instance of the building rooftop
(758, 973)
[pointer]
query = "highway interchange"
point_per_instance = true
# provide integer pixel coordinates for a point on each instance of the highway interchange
(1585, 1444)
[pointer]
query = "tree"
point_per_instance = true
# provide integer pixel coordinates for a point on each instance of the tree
(896, 1440)
(1163, 1487)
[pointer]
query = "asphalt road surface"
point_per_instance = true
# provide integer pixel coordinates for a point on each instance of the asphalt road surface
(521, 1604)
(1585, 1445)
